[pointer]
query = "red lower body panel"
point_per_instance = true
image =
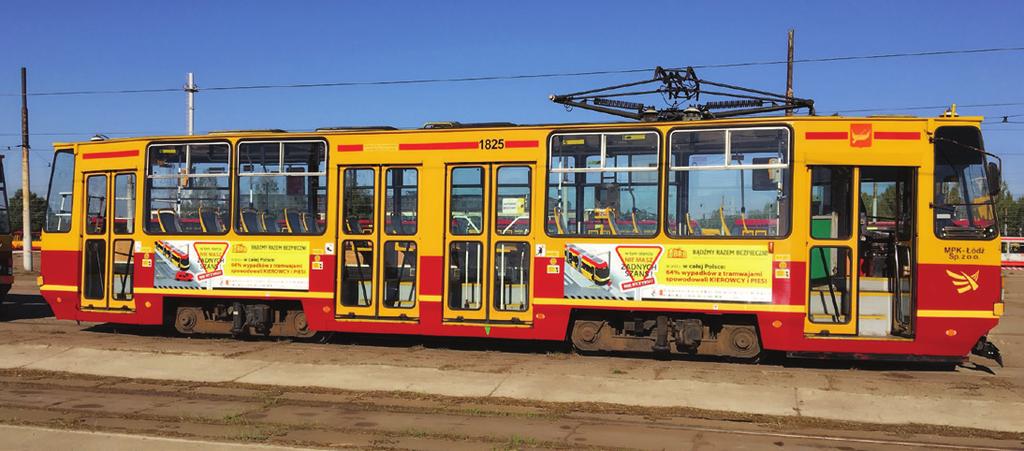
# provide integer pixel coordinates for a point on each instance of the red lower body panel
(935, 336)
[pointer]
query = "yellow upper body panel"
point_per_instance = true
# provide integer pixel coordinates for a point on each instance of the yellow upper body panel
(833, 140)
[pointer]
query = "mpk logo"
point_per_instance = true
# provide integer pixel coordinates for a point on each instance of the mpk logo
(860, 135)
(964, 282)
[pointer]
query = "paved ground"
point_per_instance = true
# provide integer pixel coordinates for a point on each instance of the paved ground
(458, 393)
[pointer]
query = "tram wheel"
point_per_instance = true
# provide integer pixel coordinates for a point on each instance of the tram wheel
(586, 335)
(187, 319)
(743, 342)
(301, 326)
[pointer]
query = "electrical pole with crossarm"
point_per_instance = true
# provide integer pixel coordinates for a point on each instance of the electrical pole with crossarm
(26, 214)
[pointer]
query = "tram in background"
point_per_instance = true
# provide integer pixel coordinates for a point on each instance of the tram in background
(852, 237)
(1013, 252)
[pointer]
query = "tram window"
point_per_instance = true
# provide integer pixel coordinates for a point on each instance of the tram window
(95, 265)
(282, 188)
(603, 184)
(122, 270)
(467, 198)
(829, 296)
(96, 205)
(124, 203)
(512, 213)
(725, 183)
(511, 277)
(358, 201)
(401, 202)
(831, 197)
(465, 275)
(400, 274)
(357, 273)
(962, 205)
(185, 184)
(59, 198)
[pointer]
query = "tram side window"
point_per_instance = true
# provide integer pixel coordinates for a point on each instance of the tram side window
(513, 200)
(401, 202)
(603, 184)
(467, 198)
(282, 188)
(358, 197)
(59, 197)
(188, 188)
(831, 202)
(725, 183)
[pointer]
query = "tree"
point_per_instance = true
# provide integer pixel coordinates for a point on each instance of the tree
(1008, 210)
(37, 211)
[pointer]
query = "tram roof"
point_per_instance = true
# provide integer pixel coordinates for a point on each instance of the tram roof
(385, 130)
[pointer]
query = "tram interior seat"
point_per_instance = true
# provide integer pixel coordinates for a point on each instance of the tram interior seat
(293, 219)
(352, 225)
(169, 222)
(251, 221)
(269, 226)
(310, 222)
(209, 219)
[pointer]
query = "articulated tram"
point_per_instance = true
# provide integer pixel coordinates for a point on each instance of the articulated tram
(852, 237)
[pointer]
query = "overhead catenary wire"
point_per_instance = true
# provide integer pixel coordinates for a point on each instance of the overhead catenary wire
(995, 119)
(929, 107)
(88, 133)
(525, 76)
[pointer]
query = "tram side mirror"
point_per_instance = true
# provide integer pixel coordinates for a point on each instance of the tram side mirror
(766, 179)
(995, 183)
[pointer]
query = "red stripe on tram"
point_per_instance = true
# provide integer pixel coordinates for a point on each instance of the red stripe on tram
(117, 154)
(826, 135)
(350, 147)
(898, 135)
(459, 145)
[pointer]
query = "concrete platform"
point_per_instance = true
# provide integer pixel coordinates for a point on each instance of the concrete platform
(29, 438)
(833, 404)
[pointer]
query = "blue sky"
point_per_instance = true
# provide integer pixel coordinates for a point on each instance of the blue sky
(78, 45)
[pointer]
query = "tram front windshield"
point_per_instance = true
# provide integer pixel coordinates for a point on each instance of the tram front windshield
(963, 206)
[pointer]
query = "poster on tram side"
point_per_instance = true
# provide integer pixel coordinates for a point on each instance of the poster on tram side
(204, 264)
(732, 273)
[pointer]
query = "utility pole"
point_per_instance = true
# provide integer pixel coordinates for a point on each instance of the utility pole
(789, 72)
(26, 214)
(190, 92)
(1006, 222)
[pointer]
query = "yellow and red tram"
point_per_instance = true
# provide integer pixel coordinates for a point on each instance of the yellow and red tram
(6, 239)
(864, 237)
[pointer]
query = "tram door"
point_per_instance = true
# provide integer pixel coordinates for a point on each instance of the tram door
(862, 251)
(108, 264)
(488, 248)
(378, 243)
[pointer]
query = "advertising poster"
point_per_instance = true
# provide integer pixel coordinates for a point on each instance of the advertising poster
(737, 273)
(270, 265)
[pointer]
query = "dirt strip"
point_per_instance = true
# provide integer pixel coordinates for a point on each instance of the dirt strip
(389, 420)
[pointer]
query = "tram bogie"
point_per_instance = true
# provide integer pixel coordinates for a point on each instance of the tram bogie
(691, 334)
(241, 318)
